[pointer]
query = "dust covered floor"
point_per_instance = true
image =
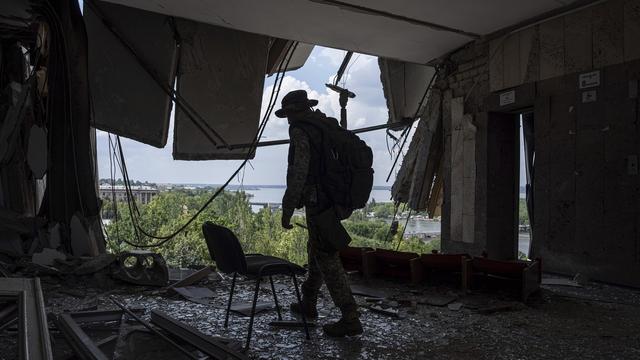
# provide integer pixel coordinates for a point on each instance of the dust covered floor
(592, 322)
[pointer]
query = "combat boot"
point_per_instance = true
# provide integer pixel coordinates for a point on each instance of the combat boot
(308, 306)
(348, 325)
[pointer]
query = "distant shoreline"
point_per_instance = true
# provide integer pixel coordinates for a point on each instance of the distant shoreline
(251, 187)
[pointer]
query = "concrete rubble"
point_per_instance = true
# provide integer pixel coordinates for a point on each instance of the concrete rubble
(402, 321)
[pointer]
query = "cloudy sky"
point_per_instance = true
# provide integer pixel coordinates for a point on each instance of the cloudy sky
(147, 163)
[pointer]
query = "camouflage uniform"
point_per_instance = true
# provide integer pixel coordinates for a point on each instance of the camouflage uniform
(303, 190)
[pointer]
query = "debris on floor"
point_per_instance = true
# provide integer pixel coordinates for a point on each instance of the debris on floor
(401, 320)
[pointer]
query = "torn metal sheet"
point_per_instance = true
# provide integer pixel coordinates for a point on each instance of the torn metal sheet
(221, 77)
(33, 332)
(127, 100)
(404, 85)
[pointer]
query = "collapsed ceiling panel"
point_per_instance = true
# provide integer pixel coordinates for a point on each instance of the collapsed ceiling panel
(278, 50)
(221, 77)
(127, 100)
(404, 86)
(410, 30)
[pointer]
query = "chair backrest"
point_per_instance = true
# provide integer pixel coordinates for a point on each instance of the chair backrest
(224, 248)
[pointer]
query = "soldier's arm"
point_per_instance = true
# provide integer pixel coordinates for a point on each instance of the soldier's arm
(297, 171)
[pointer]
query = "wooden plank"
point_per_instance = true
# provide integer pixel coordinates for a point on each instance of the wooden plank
(496, 64)
(608, 34)
(511, 61)
(529, 55)
(577, 41)
(552, 48)
(631, 30)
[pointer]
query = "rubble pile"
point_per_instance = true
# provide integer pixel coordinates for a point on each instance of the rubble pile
(401, 320)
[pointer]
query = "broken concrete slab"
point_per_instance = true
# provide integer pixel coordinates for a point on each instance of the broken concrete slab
(48, 257)
(141, 267)
(96, 264)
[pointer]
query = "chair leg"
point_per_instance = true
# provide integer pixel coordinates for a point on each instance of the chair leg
(275, 298)
(253, 312)
(304, 318)
(233, 285)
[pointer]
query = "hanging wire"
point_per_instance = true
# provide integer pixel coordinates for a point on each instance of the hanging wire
(130, 199)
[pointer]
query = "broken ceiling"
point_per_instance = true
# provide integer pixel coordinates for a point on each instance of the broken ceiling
(409, 30)
(141, 62)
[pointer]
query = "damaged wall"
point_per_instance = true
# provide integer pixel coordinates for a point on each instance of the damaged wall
(585, 180)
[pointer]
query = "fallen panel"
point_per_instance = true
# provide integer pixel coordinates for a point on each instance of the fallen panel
(33, 332)
(217, 348)
(404, 85)
(277, 56)
(126, 100)
(221, 78)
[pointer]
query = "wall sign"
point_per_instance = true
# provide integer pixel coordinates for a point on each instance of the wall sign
(508, 98)
(589, 96)
(589, 80)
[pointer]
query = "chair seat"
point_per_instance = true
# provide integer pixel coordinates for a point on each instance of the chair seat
(271, 265)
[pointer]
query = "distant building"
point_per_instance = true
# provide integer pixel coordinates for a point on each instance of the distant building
(143, 194)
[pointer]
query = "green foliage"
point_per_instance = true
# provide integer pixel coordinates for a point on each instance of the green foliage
(523, 213)
(259, 232)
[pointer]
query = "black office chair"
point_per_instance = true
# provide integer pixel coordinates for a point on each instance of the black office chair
(226, 251)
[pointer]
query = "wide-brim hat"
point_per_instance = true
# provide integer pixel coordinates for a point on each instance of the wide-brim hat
(295, 101)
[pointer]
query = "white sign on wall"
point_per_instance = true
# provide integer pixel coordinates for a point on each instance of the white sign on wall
(589, 80)
(508, 98)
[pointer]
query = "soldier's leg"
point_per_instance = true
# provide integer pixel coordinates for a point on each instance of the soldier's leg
(338, 286)
(313, 282)
(336, 280)
(311, 286)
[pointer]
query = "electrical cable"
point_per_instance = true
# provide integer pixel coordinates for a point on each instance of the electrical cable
(272, 101)
(405, 133)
